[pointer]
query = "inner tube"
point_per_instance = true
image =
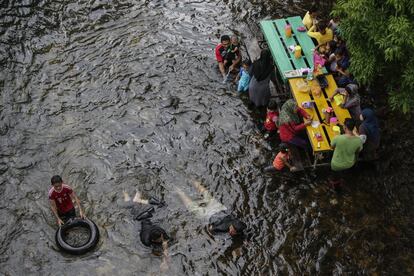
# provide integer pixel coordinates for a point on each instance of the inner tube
(77, 222)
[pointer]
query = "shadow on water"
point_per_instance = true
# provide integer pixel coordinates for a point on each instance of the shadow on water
(123, 95)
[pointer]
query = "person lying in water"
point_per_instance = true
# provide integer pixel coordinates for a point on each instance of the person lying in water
(151, 235)
(209, 208)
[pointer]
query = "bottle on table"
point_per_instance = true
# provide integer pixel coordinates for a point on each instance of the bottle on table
(288, 30)
(336, 130)
(298, 51)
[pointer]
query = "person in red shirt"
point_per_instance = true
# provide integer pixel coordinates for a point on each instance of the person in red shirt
(227, 55)
(291, 126)
(271, 118)
(60, 199)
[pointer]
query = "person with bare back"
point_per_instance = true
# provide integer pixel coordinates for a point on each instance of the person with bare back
(208, 207)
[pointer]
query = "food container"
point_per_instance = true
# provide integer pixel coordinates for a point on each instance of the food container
(336, 130)
(302, 86)
(307, 104)
(333, 121)
(316, 90)
(327, 112)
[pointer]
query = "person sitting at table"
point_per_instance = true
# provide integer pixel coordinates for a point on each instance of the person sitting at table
(351, 99)
(262, 72)
(340, 67)
(370, 129)
(310, 17)
(346, 148)
(291, 127)
(319, 58)
(334, 23)
(321, 33)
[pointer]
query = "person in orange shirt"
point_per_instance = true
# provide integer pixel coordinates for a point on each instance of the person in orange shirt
(282, 160)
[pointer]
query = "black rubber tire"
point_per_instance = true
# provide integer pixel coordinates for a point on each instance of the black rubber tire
(77, 222)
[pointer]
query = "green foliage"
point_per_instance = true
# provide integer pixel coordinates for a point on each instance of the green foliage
(380, 38)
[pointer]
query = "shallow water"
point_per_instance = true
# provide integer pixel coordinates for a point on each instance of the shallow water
(124, 95)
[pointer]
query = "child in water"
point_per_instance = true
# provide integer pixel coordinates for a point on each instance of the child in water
(234, 45)
(282, 160)
(271, 118)
(243, 77)
(233, 53)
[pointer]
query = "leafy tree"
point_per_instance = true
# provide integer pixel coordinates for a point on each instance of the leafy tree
(380, 38)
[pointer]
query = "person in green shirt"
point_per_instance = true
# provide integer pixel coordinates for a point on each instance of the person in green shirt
(346, 148)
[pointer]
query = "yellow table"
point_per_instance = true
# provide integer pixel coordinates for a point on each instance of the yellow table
(321, 102)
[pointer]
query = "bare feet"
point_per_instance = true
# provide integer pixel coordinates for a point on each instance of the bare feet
(138, 199)
(126, 196)
(199, 187)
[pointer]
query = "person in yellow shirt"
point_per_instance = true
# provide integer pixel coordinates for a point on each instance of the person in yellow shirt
(309, 19)
(321, 33)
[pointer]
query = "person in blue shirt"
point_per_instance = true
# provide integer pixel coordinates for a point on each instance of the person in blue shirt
(243, 77)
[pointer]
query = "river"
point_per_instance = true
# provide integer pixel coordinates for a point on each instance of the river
(125, 95)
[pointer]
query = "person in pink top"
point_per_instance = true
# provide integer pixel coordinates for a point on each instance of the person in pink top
(61, 198)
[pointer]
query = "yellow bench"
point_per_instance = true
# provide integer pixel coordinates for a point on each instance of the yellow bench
(322, 102)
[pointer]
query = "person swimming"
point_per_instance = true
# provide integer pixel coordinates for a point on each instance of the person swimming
(203, 208)
(151, 234)
(209, 208)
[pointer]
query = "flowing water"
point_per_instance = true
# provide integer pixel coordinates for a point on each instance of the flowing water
(125, 95)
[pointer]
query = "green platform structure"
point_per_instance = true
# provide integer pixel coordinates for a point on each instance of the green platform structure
(274, 33)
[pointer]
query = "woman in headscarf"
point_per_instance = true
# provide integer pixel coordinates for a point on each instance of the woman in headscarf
(291, 124)
(370, 129)
(261, 72)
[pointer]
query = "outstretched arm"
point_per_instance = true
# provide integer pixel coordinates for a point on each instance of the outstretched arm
(222, 70)
(287, 164)
(54, 210)
(77, 201)
(337, 91)
(235, 62)
(165, 257)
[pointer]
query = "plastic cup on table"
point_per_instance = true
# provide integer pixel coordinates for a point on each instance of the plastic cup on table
(288, 30)
(298, 51)
(333, 121)
(336, 130)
